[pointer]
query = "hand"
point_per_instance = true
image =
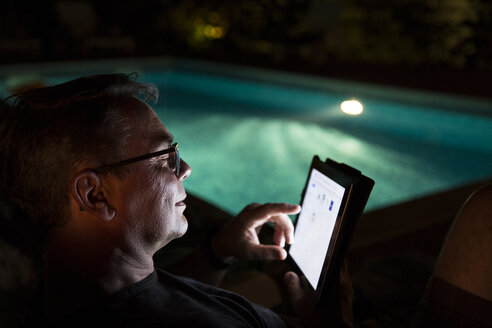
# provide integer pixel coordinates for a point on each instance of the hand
(338, 311)
(239, 238)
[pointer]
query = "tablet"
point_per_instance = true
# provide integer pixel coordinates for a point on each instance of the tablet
(332, 201)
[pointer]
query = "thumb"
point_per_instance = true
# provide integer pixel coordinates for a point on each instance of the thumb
(298, 296)
(267, 252)
(294, 286)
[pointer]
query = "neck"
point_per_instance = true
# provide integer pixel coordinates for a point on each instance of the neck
(82, 267)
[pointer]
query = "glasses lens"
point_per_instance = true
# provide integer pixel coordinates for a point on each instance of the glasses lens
(176, 160)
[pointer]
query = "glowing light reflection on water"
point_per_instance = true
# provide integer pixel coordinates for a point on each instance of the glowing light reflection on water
(237, 160)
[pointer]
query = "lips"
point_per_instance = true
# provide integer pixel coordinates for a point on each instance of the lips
(181, 202)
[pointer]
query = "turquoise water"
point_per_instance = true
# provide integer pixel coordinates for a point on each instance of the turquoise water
(249, 138)
(253, 142)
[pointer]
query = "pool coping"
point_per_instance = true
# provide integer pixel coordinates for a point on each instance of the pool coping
(435, 100)
(391, 222)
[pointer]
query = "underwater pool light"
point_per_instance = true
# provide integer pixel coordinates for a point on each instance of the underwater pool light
(351, 107)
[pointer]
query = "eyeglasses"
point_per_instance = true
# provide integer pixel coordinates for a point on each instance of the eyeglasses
(173, 159)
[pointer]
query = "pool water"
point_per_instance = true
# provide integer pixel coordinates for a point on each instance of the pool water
(250, 135)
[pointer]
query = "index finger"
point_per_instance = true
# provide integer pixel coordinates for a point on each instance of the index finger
(264, 212)
(284, 229)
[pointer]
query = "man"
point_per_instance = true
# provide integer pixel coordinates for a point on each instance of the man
(99, 174)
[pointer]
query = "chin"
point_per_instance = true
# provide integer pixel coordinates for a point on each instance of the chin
(182, 227)
(176, 234)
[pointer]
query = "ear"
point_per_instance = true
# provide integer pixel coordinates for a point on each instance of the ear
(88, 193)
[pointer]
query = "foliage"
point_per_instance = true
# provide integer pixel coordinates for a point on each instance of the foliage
(452, 32)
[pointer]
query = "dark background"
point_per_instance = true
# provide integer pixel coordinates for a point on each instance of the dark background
(442, 45)
(439, 45)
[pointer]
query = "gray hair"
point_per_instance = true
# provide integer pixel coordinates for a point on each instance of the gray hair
(46, 132)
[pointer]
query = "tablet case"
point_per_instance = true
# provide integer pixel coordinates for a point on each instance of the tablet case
(361, 189)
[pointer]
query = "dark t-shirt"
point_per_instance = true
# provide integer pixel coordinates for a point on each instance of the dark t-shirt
(165, 300)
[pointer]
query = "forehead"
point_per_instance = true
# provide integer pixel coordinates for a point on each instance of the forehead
(146, 130)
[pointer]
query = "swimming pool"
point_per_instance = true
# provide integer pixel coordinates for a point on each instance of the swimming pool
(249, 134)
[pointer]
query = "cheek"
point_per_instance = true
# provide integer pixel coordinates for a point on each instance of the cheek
(162, 196)
(149, 202)
(160, 210)
(152, 203)
(160, 213)
(153, 193)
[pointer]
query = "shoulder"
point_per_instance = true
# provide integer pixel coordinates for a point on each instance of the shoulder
(174, 301)
(232, 308)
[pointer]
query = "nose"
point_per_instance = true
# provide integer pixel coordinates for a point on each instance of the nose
(184, 170)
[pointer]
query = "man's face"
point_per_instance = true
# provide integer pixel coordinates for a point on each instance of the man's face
(151, 196)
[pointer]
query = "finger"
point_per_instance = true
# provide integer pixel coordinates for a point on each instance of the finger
(278, 239)
(346, 288)
(284, 229)
(279, 236)
(264, 212)
(296, 292)
(250, 207)
(266, 252)
(293, 284)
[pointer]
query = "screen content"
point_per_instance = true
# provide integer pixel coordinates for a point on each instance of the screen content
(315, 225)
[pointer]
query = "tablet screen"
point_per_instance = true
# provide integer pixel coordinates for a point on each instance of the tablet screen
(315, 224)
